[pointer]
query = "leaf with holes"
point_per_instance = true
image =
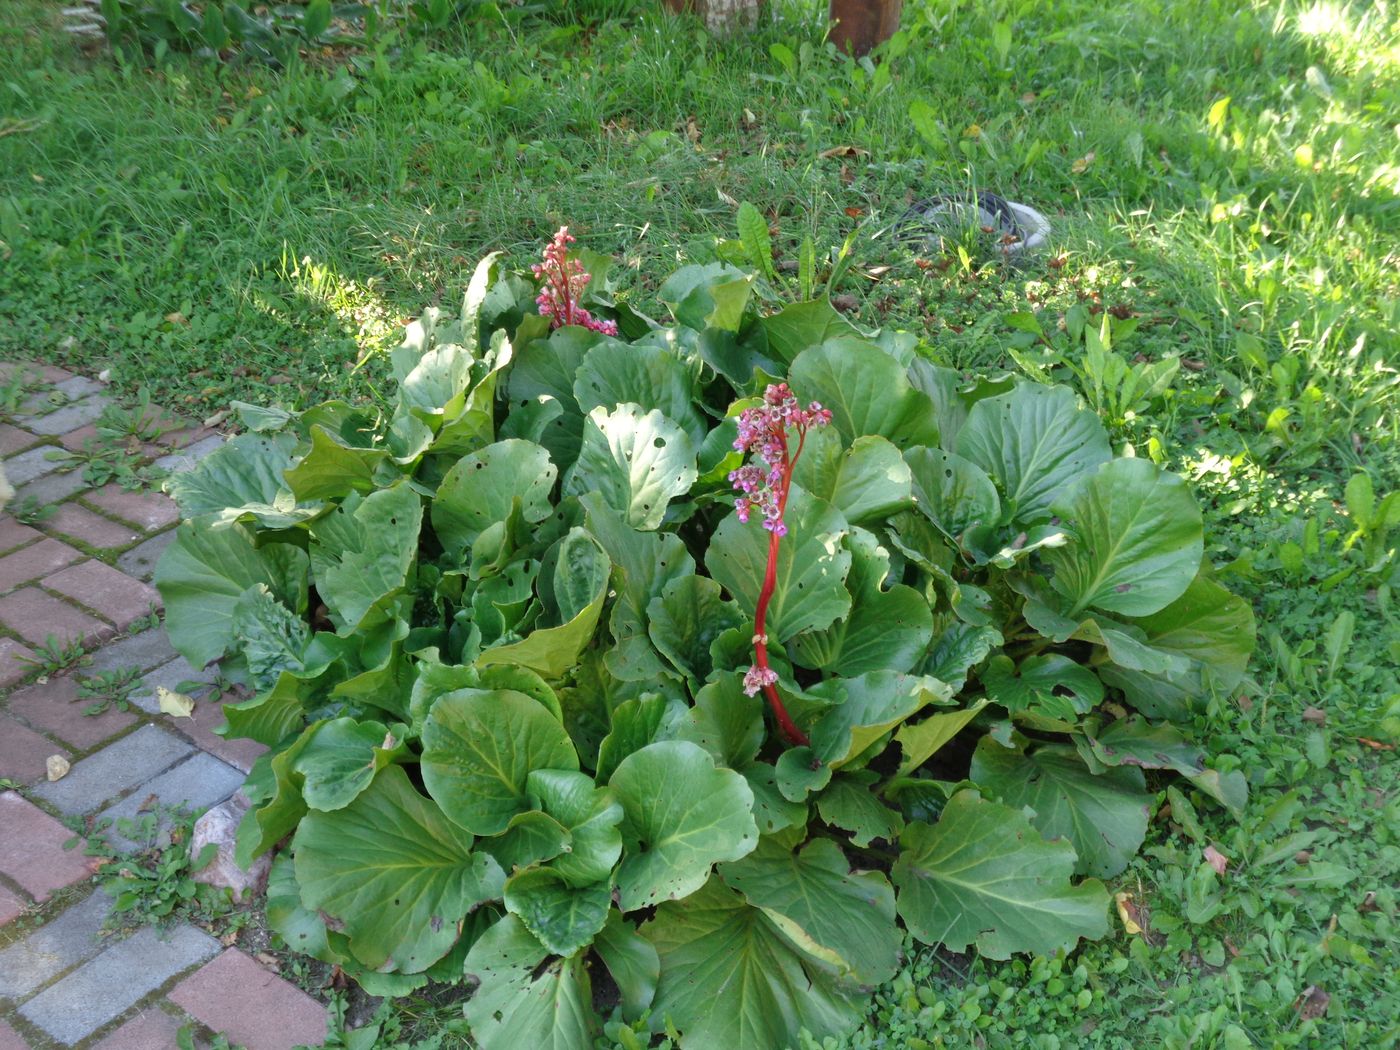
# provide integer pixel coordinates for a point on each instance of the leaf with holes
(638, 461)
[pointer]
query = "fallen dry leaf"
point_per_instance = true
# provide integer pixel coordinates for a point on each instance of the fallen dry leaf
(268, 960)
(1133, 918)
(843, 151)
(845, 303)
(1216, 860)
(217, 418)
(1080, 166)
(855, 212)
(57, 767)
(1374, 745)
(1316, 715)
(176, 705)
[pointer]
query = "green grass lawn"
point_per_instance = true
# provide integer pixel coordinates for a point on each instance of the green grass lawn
(1226, 174)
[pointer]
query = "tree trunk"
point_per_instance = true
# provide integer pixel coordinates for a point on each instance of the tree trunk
(857, 26)
(721, 16)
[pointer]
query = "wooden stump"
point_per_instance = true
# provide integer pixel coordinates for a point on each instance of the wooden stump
(857, 26)
(721, 16)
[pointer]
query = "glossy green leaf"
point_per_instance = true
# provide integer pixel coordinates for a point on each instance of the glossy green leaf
(638, 461)
(243, 476)
(867, 392)
(866, 708)
(799, 326)
(330, 470)
(867, 482)
(614, 373)
(632, 962)
(396, 873)
(362, 551)
(478, 749)
(850, 803)
(482, 487)
(1136, 540)
(953, 493)
(920, 741)
(983, 876)
(341, 759)
(522, 1000)
(564, 918)
(685, 619)
(592, 816)
(681, 815)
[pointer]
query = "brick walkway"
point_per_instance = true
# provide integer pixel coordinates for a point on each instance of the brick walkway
(81, 575)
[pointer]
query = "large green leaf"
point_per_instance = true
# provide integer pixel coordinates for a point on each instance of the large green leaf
(886, 630)
(274, 787)
(330, 470)
(685, 619)
(242, 476)
(953, 493)
(592, 816)
(1035, 442)
(867, 482)
(920, 741)
(553, 651)
(521, 1002)
(850, 802)
(544, 371)
(712, 295)
(681, 814)
(726, 722)
(983, 875)
(362, 551)
(867, 392)
(1209, 626)
(731, 980)
(1137, 540)
(342, 758)
(479, 747)
(565, 918)
(395, 871)
(614, 373)
(1133, 741)
(482, 487)
(435, 385)
(1048, 685)
(1105, 816)
(271, 637)
(866, 708)
(638, 461)
(811, 572)
(799, 326)
(843, 918)
(204, 573)
(632, 962)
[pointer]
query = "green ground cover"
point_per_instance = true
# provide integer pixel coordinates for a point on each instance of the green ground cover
(1223, 179)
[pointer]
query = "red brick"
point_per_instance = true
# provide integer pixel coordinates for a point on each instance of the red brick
(145, 510)
(10, 1039)
(31, 850)
(13, 439)
(12, 906)
(33, 562)
(153, 1029)
(35, 616)
(179, 439)
(94, 530)
(199, 727)
(251, 1005)
(23, 751)
(76, 440)
(105, 591)
(13, 534)
(13, 665)
(54, 707)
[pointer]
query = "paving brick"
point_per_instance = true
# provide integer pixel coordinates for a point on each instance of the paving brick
(75, 387)
(29, 465)
(118, 767)
(23, 751)
(145, 510)
(171, 676)
(186, 458)
(70, 417)
(209, 715)
(151, 1029)
(32, 562)
(77, 440)
(197, 783)
(10, 1039)
(14, 534)
(54, 707)
(36, 617)
(151, 648)
(141, 560)
(31, 850)
(13, 439)
(104, 988)
(12, 905)
(52, 488)
(75, 936)
(251, 1005)
(14, 662)
(107, 592)
(183, 438)
(78, 523)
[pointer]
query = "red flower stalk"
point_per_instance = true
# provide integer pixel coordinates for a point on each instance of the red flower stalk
(765, 484)
(564, 281)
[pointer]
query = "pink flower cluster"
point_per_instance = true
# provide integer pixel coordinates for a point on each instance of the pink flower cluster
(764, 432)
(564, 281)
(757, 678)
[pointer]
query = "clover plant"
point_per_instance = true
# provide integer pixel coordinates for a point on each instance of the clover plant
(501, 627)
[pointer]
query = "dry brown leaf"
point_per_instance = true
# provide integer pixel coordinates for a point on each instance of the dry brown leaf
(855, 212)
(1316, 715)
(1374, 745)
(1216, 860)
(1080, 166)
(1312, 1003)
(1133, 918)
(843, 151)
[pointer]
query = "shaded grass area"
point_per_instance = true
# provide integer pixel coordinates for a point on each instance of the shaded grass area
(1225, 174)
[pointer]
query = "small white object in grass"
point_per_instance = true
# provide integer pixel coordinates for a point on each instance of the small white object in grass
(104, 376)
(57, 767)
(176, 705)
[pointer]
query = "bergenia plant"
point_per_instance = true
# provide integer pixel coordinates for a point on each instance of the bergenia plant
(505, 637)
(765, 433)
(564, 280)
